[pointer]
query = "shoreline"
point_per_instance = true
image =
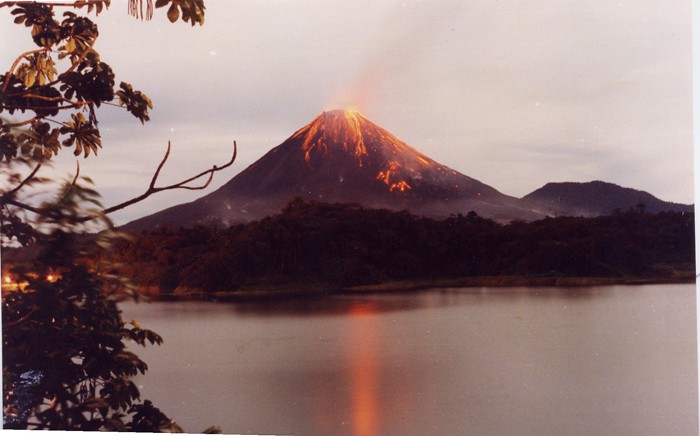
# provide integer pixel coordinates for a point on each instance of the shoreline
(270, 293)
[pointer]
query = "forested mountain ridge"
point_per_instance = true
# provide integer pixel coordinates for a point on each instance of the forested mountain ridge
(340, 245)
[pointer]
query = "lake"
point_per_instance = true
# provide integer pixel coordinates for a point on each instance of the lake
(519, 361)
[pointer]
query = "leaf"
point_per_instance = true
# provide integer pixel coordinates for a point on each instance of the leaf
(173, 13)
(29, 80)
(8, 146)
(192, 11)
(114, 424)
(136, 102)
(95, 403)
(70, 45)
(83, 134)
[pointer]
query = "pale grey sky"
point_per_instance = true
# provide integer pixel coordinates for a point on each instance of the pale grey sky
(515, 94)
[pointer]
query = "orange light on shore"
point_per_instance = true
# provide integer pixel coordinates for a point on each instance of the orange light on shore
(9, 284)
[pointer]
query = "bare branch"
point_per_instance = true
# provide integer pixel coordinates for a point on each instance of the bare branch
(60, 123)
(11, 193)
(152, 189)
(160, 167)
(77, 172)
(30, 208)
(21, 123)
(20, 320)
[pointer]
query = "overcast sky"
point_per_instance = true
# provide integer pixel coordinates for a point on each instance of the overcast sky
(515, 94)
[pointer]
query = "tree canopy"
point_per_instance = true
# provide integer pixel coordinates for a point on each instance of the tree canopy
(66, 360)
(335, 246)
(50, 96)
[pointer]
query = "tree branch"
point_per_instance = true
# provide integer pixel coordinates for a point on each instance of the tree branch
(70, 5)
(22, 183)
(160, 167)
(70, 103)
(21, 123)
(30, 208)
(152, 189)
(77, 172)
(37, 97)
(20, 320)
(76, 63)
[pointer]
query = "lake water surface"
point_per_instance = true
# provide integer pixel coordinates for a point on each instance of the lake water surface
(607, 360)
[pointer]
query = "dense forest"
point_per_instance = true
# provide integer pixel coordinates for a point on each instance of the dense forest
(316, 245)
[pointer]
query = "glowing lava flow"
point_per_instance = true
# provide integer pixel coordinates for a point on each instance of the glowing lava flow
(331, 126)
(385, 176)
(400, 186)
(377, 151)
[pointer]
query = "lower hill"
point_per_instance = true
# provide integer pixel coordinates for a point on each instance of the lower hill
(596, 198)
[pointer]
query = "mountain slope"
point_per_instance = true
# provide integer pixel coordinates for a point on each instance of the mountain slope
(341, 156)
(595, 198)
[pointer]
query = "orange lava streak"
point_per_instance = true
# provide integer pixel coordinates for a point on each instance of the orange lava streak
(328, 127)
(400, 186)
(308, 146)
(353, 123)
(385, 176)
(422, 160)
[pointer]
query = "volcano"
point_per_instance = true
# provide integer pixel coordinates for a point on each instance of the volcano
(341, 156)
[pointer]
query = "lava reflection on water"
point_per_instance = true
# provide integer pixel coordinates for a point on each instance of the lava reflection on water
(364, 349)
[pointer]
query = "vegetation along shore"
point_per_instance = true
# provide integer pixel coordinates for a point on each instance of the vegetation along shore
(316, 248)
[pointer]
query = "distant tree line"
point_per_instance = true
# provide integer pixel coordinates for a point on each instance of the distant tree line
(340, 245)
